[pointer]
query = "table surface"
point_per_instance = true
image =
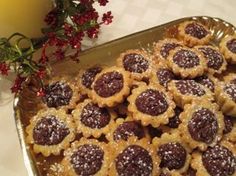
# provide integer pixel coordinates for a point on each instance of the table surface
(129, 17)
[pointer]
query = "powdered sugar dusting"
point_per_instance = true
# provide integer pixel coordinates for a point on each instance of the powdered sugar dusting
(94, 116)
(207, 82)
(50, 131)
(219, 161)
(189, 87)
(134, 160)
(215, 58)
(230, 89)
(164, 76)
(134, 62)
(186, 59)
(152, 102)
(87, 159)
(203, 125)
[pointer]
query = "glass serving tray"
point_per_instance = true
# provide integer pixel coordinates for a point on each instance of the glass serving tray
(25, 103)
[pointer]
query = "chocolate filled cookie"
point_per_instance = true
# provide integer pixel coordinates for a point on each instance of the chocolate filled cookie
(186, 62)
(86, 157)
(138, 62)
(173, 152)
(134, 157)
(202, 124)
(151, 105)
(230, 129)
(228, 48)
(111, 86)
(92, 120)
(163, 47)
(162, 75)
(194, 33)
(225, 95)
(86, 78)
(217, 160)
(124, 129)
(50, 131)
(185, 91)
(60, 93)
(207, 81)
(216, 62)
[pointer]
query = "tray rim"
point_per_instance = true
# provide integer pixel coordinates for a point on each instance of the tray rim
(30, 167)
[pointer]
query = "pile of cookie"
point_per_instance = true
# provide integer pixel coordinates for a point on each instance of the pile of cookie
(167, 112)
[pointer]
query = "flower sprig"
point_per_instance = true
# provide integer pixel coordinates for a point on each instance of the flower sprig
(68, 23)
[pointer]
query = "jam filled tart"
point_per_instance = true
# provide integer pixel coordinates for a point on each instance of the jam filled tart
(86, 78)
(219, 160)
(111, 86)
(138, 62)
(186, 62)
(163, 47)
(228, 48)
(60, 92)
(86, 157)
(216, 62)
(162, 74)
(173, 152)
(125, 128)
(225, 95)
(194, 33)
(202, 124)
(50, 131)
(134, 157)
(185, 91)
(151, 104)
(92, 120)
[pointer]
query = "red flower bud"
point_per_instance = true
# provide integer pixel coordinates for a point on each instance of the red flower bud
(107, 18)
(4, 68)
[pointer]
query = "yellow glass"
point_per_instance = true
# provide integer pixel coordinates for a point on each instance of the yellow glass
(24, 16)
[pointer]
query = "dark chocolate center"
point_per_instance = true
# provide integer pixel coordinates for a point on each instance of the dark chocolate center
(164, 76)
(109, 84)
(173, 155)
(89, 75)
(166, 48)
(135, 63)
(94, 116)
(203, 125)
(207, 82)
(127, 129)
(214, 58)
(151, 102)
(87, 160)
(49, 131)
(196, 30)
(219, 161)
(57, 94)
(228, 124)
(186, 59)
(134, 160)
(230, 89)
(231, 45)
(189, 87)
